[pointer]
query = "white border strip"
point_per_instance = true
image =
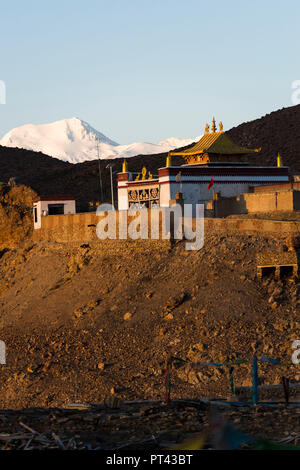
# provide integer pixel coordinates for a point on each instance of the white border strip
(172, 179)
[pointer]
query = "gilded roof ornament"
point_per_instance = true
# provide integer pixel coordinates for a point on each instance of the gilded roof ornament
(279, 160)
(212, 143)
(124, 167)
(213, 125)
(168, 161)
(144, 173)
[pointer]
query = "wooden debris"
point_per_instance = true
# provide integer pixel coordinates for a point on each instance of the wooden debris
(141, 425)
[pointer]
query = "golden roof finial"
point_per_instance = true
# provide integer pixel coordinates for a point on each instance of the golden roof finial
(221, 126)
(168, 162)
(213, 125)
(207, 129)
(124, 167)
(279, 161)
(144, 173)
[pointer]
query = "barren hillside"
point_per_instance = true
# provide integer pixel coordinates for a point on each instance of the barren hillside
(83, 322)
(16, 222)
(275, 132)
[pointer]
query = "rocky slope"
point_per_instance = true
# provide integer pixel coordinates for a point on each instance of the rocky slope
(15, 215)
(84, 322)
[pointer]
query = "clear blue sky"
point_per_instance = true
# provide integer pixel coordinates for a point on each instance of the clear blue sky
(144, 70)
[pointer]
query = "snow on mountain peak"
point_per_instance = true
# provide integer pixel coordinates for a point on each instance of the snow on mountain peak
(75, 141)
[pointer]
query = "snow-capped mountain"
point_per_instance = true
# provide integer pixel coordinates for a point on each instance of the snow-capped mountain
(75, 141)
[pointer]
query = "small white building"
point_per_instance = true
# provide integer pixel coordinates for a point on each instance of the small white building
(52, 205)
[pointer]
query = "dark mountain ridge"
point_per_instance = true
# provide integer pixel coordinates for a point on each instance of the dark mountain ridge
(276, 132)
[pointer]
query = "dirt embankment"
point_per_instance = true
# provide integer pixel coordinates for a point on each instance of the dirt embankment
(15, 215)
(84, 322)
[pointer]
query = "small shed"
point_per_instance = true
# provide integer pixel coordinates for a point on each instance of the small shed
(52, 205)
(278, 263)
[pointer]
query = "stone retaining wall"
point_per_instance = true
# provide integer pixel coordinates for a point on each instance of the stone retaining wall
(272, 201)
(82, 227)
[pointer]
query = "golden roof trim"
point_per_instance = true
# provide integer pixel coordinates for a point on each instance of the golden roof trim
(215, 142)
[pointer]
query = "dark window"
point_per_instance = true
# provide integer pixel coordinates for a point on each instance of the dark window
(35, 215)
(55, 209)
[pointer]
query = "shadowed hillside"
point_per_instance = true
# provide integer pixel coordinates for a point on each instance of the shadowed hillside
(275, 132)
